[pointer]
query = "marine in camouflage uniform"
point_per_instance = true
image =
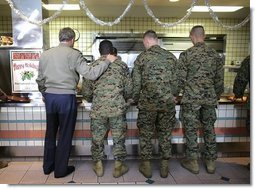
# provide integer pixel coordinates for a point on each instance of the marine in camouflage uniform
(154, 89)
(108, 95)
(201, 78)
(242, 79)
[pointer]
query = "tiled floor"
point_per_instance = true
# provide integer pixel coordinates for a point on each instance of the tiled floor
(229, 171)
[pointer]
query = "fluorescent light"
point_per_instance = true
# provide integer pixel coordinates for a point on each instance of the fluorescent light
(173, 1)
(58, 6)
(216, 8)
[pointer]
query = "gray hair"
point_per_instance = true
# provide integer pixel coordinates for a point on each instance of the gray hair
(66, 34)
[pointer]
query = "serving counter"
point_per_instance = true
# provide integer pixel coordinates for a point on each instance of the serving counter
(22, 130)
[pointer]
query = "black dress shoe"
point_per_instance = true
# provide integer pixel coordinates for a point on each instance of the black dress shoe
(70, 169)
(47, 172)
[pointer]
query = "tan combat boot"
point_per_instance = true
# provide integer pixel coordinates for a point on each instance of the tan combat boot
(98, 168)
(119, 169)
(145, 168)
(164, 168)
(3, 164)
(191, 165)
(210, 166)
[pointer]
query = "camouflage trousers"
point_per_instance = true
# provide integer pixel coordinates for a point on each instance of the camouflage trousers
(192, 117)
(100, 127)
(160, 123)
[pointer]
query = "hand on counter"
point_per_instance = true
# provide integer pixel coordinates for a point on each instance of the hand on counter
(235, 99)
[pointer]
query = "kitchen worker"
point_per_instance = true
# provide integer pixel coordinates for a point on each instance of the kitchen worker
(3, 97)
(201, 77)
(109, 95)
(58, 76)
(155, 91)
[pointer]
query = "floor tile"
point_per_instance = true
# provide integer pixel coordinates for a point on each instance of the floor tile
(2, 170)
(240, 181)
(229, 171)
(133, 175)
(183, 176)
(84, 176)
(19, 165)
(159, 180)
(242, 170)
(83, 165)
(36, 166)
(203, 175)
(132, 164)
(126, 183)
(11, 176)
(214, 181)
(142, 183)
(34, 177)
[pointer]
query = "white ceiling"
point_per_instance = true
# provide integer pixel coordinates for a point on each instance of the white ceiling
(160, 8)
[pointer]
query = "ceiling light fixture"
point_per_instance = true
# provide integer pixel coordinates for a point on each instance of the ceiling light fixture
(216, 8)
(58, 6)
(173, 1)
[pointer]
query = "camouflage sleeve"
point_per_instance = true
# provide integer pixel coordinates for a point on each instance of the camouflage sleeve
(127, 84)
(181, 71)
(87, 89)
(242, 78)
(89, 72)
(136, 80)
(219, 77)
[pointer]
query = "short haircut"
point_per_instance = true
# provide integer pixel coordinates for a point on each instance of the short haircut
(66, 34)
(150, 34)
(197, 30)
(105, 47)
(114, 51)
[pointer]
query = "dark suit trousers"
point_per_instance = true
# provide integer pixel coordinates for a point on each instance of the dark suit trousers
(61, 113)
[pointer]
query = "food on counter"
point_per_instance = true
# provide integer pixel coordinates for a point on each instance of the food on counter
(17, 99)
(6, 40)
(233, 99)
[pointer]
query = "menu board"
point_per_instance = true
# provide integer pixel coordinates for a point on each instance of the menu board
(24, 70)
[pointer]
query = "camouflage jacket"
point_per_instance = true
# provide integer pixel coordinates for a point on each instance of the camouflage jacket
(154, 80)
(110, 91)
(200, 75)
(242, 78)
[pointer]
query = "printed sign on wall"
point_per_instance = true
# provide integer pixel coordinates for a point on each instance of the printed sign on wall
(24, 70)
